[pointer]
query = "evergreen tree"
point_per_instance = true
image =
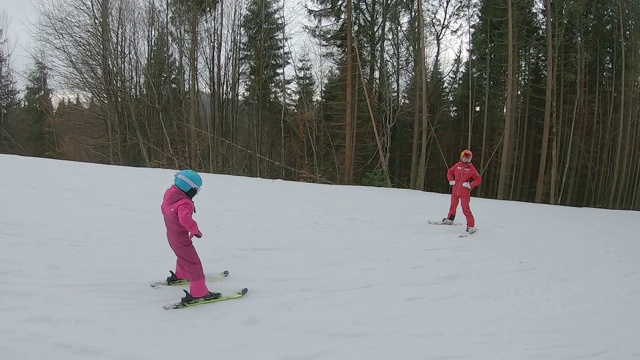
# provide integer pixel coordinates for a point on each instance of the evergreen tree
(39, 137)
(163, 102)
(263, 51)
(306, 143)
(265, 59)
(8, 97)
(306, 84)
(484, 83)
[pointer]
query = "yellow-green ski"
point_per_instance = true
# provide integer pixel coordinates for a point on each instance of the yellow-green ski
(210, 277)
(180, 305)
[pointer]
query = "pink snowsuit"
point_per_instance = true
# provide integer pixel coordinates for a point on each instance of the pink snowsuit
(463, 173)
(177, 209)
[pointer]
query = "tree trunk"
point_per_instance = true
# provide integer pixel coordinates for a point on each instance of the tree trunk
(219, 112)
(193, 84)
(415, 143)
(548, 105)
(570, 154)
(507, 145)
(620, 164)
(349, 156)
(485, 116)
(422, 165)
(555, 119)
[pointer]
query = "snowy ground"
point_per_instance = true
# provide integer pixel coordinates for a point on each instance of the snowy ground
(333, 272)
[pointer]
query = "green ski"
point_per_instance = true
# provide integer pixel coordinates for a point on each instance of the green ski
(210, 277)
(180, 305)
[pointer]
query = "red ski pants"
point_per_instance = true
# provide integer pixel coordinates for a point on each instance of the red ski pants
(466, 210)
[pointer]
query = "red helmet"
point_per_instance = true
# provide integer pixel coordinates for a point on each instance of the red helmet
(466, 155)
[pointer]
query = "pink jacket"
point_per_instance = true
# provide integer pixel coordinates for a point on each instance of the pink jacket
(463, 173)
(177, 209)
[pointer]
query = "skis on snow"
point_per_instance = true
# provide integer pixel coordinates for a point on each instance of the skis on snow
(210, 277)
(463, 235)
(467, 233)
(181, 305)
(442, 223)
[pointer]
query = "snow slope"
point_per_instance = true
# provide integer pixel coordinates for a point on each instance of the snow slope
(333, 272)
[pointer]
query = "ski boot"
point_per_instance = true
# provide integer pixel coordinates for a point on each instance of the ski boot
(173, 278)
(188, 299)
(448, 220)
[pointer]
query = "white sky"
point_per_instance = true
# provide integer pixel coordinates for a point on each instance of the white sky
(20, 15)
(333, 272)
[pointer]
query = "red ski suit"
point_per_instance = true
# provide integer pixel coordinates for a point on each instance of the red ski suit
(463, 173)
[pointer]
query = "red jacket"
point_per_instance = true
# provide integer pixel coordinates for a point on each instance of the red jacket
(463, 173)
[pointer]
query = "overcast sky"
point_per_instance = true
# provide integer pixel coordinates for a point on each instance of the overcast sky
(19, 17)
(17, 20)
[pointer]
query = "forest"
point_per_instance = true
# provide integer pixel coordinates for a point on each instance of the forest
(383, 93)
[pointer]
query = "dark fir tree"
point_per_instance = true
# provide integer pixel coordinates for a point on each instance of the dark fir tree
(305, 145)
(264, 58)
(39, 137)
(8, 97)
(163, 102)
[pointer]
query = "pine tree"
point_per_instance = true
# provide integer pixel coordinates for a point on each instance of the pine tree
(305, 108)
(306, 84)
(488, 69)
(265, 59)
(39, 137)
(8, 97)
(164, 103)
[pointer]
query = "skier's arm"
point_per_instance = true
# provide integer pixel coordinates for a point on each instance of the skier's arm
(450, 173)
(185, 212)
(477, 178)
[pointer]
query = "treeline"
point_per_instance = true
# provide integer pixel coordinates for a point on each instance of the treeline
(545, 93)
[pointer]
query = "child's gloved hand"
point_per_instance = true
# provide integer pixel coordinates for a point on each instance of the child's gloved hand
(452, 182)
(467, 185)
(198, 235)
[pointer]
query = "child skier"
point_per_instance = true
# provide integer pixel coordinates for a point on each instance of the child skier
(463, 177)
(177, 208)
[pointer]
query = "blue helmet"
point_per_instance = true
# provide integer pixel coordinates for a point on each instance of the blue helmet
(188, 179)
